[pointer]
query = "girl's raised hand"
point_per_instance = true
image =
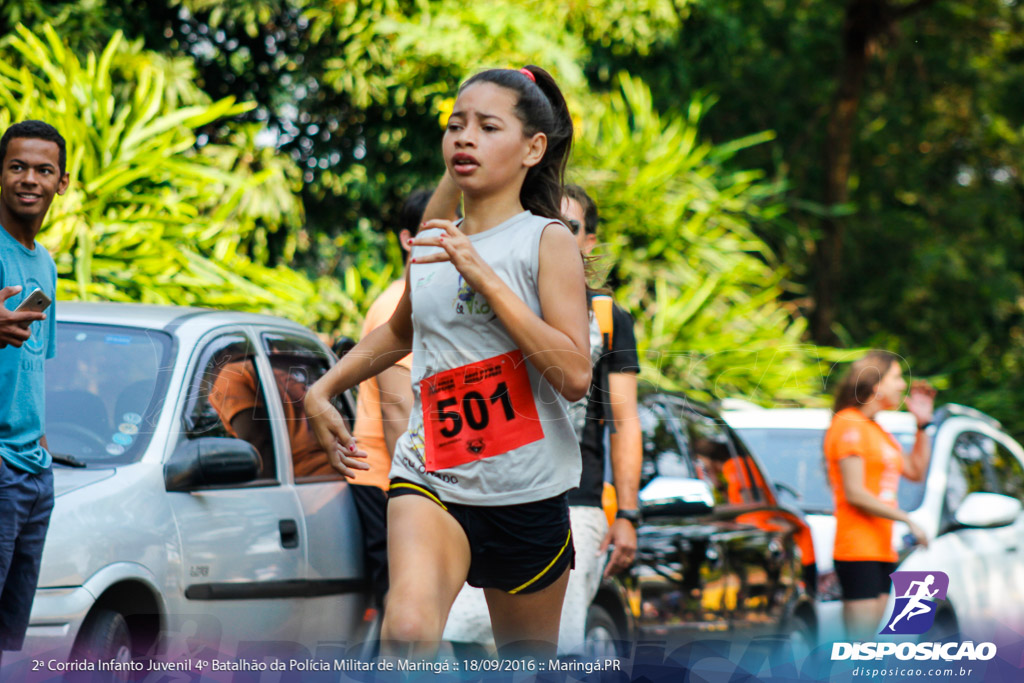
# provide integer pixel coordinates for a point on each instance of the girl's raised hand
(920, 402)
(457, 249)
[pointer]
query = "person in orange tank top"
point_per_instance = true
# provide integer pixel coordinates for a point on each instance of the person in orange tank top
(382, 414)
(865, 463)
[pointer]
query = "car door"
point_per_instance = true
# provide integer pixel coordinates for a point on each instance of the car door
(977, 561)
(243, 550)
(774, 584)
(1007, 469)
(753, 539)
(335, 599)
(678, 572)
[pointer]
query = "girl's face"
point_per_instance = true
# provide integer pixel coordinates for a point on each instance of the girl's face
(484, 146)
(892, 386)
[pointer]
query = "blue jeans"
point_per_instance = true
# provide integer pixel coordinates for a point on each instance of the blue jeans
(26, 501)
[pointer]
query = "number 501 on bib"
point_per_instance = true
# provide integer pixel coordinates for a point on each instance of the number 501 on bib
(477, 411)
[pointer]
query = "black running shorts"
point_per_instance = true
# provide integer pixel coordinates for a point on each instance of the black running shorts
(864, 579)
(515, 548)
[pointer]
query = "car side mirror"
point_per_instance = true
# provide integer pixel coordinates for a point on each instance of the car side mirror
(676, 497)
(211, 461)
(987, 510)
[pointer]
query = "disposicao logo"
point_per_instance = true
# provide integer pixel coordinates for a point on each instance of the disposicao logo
(913, 613)
(917, 596)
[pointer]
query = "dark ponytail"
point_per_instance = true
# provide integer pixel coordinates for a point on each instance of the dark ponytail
(541, 108)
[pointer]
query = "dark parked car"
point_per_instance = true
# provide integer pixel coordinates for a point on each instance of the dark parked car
(717, 555)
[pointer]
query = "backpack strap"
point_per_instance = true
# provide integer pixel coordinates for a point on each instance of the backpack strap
(602, 304)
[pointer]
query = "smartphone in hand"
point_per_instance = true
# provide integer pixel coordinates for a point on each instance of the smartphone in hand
(36, 301)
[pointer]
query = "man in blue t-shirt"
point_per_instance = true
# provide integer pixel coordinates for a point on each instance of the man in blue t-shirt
(32, 171)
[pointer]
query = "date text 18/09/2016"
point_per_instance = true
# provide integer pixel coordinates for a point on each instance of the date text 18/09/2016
(385, 664)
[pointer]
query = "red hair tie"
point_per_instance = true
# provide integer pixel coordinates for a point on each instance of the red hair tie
(529, 74)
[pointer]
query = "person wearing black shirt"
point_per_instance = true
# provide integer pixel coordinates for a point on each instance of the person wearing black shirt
(612, 427)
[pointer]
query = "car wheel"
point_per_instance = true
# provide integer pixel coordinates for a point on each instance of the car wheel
(802, 636)
(945, 629)
(105, 637)
(601, 638)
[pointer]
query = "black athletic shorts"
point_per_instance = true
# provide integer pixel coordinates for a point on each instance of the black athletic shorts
(514, 548)
(864, 579)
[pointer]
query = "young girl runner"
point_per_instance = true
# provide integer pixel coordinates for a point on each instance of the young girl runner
(495, 313)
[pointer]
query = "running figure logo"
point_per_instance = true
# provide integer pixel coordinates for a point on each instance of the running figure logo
(916, 596)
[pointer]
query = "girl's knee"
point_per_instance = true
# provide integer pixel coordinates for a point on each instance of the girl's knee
(410, 624)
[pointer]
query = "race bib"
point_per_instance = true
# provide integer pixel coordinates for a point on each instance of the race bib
(478, 411)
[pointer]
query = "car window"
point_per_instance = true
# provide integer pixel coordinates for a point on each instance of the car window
(716, 461)
(1008, 472)
(970, 469)
(298, 362)
(752, 475)
(906, 439)
(910, 494)
(664, 453)
(104, 391)
(795, 458)
(227, 399)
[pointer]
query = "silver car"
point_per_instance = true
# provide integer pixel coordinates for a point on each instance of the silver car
(195, 515)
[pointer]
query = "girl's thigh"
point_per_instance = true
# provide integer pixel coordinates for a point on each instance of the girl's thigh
(428, 557)
(526, 624)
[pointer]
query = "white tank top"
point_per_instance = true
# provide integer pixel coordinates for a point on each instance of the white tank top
(453, 326)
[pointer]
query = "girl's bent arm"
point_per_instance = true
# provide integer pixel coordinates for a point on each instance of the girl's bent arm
(444, 203)
(376, 352)
(915, 465)
(558, 343)
(851, 469)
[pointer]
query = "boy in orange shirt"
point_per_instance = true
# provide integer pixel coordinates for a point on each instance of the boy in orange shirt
(382, 414)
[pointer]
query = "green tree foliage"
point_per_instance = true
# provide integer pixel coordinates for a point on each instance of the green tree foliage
(933, 252)
(150, 216)
(351, 94)
(677, 225)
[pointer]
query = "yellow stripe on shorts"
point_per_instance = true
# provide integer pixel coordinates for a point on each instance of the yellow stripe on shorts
(545, 570)
(422, 490)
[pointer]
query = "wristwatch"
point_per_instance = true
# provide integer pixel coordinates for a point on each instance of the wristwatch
(631, 516)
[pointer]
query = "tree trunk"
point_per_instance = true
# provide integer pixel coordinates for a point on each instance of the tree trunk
(865, 21)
